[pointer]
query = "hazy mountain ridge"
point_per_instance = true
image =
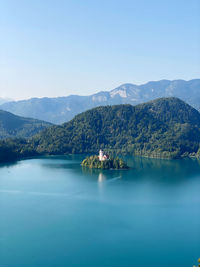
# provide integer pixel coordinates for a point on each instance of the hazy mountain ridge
(4, 100)
(15, 126)
(62, 109)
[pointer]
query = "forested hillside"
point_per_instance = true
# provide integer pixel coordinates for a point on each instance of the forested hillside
(15, 148)
(16, 126)
(165, 127)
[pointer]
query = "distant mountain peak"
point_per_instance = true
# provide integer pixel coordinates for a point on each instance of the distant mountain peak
(125, 90)
(4, 100)
(121, 92)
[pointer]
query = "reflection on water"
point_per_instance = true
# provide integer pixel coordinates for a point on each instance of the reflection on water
(101, 177)
(101, 182)
(120, 214)
(9, 164)
(104, 180)
(142, 169)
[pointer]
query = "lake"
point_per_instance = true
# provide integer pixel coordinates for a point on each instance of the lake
(53, 213)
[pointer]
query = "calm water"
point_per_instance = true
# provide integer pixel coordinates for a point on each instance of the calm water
(54, 213)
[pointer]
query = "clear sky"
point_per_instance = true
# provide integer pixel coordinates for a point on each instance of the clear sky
(55, 48)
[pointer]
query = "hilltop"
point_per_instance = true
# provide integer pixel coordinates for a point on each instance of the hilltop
(163, 128)
(166, 127)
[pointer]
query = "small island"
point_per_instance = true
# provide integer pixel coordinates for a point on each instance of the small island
(104, 162)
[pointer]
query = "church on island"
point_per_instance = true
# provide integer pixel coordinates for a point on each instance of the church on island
(103, 161)
(103, 157)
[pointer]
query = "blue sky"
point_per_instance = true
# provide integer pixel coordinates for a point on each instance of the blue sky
(56, 48)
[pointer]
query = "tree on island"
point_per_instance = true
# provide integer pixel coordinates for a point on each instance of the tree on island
(99, 162)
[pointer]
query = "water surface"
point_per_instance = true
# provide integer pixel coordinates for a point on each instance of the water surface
(53, 213)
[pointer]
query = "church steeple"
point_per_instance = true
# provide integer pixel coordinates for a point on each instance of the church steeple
(101, 155)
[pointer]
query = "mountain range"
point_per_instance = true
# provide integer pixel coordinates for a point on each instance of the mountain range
(62, 109)
(15, 126)
(165, 127)
(4, 100)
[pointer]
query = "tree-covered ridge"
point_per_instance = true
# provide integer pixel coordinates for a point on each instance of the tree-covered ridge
(112, 163)
(16, 126)
(166, 127)
(16, 148)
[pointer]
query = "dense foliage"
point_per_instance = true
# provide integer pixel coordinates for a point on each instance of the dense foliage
(14, 149)
(112, 163)
(15, 126)
(165, 127)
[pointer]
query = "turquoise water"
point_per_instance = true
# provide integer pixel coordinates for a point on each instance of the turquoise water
(53, 213)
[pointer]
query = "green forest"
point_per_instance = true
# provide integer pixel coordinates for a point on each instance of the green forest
(16, 148)
(12, 126)
(112, 163)
(163, 128)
